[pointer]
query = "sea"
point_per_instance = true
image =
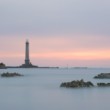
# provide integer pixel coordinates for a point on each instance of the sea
(39, 89)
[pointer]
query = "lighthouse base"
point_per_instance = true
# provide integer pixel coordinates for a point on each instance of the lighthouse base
(28, 66)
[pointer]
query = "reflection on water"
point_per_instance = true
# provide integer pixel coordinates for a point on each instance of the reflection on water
(39, 90)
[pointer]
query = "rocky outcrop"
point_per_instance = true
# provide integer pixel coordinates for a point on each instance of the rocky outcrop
(77, 84)
(2, 66)
(103, 76)
(10, 74)
(103, 84)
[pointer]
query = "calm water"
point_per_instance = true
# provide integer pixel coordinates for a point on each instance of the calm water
(39, 90)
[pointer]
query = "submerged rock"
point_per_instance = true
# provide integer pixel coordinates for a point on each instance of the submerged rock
(10, 74)
(103, 76)
(77, 84)
(103, 84)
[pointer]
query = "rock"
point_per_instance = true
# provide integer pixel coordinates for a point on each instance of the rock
(77, 84)
(10, 74)
(2, 66)
(103, 76)
(103, 84)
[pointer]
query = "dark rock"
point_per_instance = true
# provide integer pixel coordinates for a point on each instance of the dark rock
(10, 74)
(103, 84)
(77, 84)
(2, 66)
(103, 76)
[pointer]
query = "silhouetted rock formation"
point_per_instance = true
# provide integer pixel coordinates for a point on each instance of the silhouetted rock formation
(103, 76)
(77, 84)
(10, 74)
(2, 66)
(103, 84)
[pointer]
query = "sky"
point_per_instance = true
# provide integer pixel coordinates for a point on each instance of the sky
(60, 32)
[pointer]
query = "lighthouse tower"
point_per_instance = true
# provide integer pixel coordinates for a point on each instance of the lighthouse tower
(27, 60)
(27, 63)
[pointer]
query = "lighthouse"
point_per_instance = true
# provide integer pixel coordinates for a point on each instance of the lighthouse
(27, 63)
(27, 60)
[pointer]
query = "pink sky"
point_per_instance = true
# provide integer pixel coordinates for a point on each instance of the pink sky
(81, 50)
(61, 32)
